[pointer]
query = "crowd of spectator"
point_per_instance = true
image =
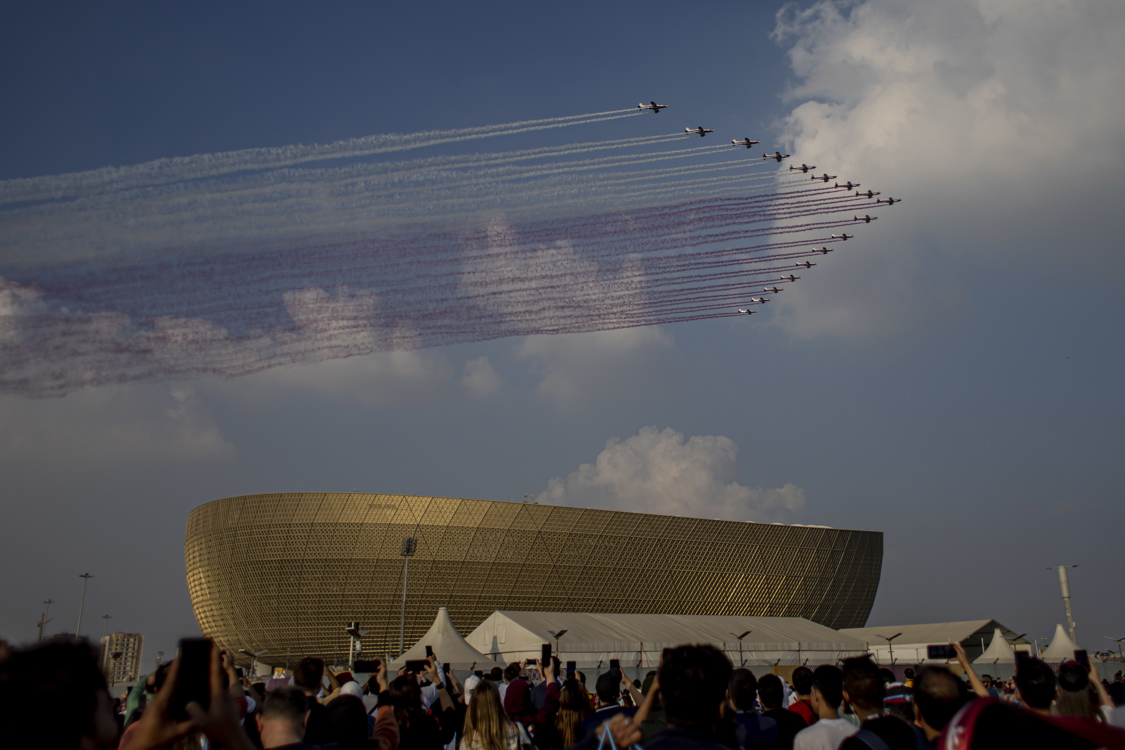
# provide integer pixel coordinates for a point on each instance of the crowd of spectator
(54, 695)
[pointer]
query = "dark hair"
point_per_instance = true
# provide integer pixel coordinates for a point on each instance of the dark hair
(512, 671)
(770, 692)
(346, 721)
(581, 676)
(1116, 692)
(691, 684)
(1036, 682)
(742, 688)
(886, 675)
(938, 694)
(829, 682)
(862, 682)
(607, 687)
(309, 673)
(288, 703)
(406, 697)
(49, 695)
(158, 678)
(909, 673)
(496, 674)
(1076, 695)
(802, 680)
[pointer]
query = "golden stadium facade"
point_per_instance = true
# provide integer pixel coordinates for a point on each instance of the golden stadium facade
(286, 572)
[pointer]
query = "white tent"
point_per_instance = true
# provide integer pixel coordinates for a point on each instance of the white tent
(1061, 648)
(638, 640)
(448, 646)
(910, 642)
(1000, 651)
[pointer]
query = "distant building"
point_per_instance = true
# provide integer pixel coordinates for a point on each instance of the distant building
(906, 644)
(126, 667)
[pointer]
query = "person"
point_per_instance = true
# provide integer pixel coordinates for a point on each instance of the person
(283, 718)
(802, 689)
(486, 726)
(750, 730)
(510, 674)
(1035, 685)
(771, 695)
(574, 708)
(864, 690)
(938, 696)
(308, 677)
(827, 695)
(608, 690)
(416, 728)
(54, 695)
(1075, 695)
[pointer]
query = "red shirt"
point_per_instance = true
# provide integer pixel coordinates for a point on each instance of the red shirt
(803, 708)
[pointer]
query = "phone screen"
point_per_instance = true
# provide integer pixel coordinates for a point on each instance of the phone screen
(545, 656)
(1082, 658)
(429, 651)
(1021, 659)
(945, 651)
(615, 664)
(417, 666)
(531, 661)
(445, 667)
(193, 680)
(571, 669)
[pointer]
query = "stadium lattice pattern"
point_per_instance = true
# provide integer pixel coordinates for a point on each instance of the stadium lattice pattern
(286, 572)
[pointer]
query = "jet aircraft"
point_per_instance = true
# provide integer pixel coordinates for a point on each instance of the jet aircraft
(803, 168)
(791, 277)
(700, 131)
(773, 289)
(745, 142)
(869, 193)
(748, 312)
(653, 107)
(806, 264)
(849, 185)
(890, 201)
(824, 177)
(842, 236)
(760, 300)
(822, 251)
(776, 155)
(866, 218)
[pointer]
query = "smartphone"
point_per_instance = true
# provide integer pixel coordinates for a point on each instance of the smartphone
(193, 681)
(239, 673)
(944, 651)
(445, 667)
(1021, 658)
(417, 666)
(366, 665)
(429, 652)
(571, 669)
(545, 656)
(615, 665)
(1082, 658)
(531, 661)
(479, 673)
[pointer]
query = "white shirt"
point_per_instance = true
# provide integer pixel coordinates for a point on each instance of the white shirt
(826, 734)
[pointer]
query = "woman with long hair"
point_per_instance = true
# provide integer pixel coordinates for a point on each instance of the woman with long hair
(487, 727)
(574, 708)
(416, 728)
(1075, 695)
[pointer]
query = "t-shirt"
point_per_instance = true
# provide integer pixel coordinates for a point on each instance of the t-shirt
(754, 732)
(803, 708)
(826, 734)
(894, 731)
(789, 723)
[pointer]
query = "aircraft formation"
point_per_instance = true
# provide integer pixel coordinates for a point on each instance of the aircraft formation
(376, 249)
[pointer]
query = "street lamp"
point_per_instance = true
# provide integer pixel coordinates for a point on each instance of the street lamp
(159, 658)
(1117, 641)
(44, 620)
(253, 657)
(556, 636)
(409, 545)
(741, 661)
(354, 634)
(1064, 584)
(890, 646)
(86, 579)
(105, 623)
(1013, 639)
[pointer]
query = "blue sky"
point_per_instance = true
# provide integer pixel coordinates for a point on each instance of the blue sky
(954, 380)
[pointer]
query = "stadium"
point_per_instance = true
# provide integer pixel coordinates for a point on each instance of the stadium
(286, 572)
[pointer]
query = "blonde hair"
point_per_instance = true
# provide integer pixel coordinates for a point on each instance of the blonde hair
(486, 724)
(574, 708)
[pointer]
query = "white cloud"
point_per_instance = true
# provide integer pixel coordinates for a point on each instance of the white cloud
(110, 425)
(1000, 123)
(658, 472)
(480, 379)
(578, 369)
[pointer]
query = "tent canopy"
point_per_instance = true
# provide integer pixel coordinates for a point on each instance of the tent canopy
(1061, 648)
(910, 646)
(1000, 651)
(640, 639)
(448, 646)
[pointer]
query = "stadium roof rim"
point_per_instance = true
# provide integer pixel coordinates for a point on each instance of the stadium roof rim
(516, 502)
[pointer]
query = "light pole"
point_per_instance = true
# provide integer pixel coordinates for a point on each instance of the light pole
(556, 636)
(741, 661)
(1117, 641)
(1064, 584)
(890, 646)
(44, 620)
(85, 580)
(105, 624)
(354, 636)
(253, 658)
(159, 658)
(409, 544)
